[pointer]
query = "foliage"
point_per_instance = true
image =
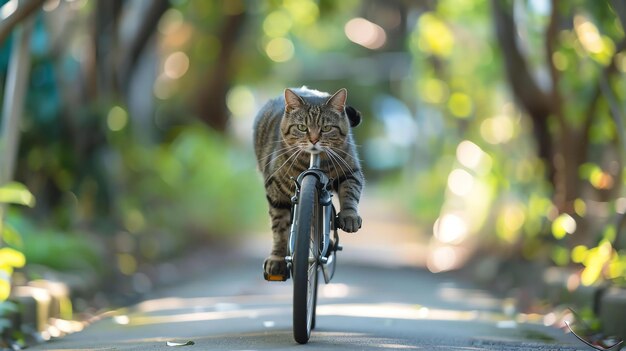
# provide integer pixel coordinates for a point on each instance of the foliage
(59, 250)
(16, 193)
(197, 182)
(112, 143)
(515, 201)
(10, 258)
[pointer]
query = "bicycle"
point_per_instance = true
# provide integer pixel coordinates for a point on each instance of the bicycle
(311, 248)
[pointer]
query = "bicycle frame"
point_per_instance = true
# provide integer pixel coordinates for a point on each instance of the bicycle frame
(327, 210)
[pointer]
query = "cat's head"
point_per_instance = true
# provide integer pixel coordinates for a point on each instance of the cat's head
(312, 126)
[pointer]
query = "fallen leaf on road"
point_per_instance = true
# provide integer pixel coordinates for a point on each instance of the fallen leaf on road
(173, 343)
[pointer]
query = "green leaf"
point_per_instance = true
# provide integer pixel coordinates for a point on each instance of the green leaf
(562, 225)
(10, 236)
(12, 258)
(16, 193)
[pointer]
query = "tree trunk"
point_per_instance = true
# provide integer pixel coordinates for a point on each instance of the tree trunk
(525, 90)
(13, 104)
(568, 157)
(210, 104)
(22, 12)
(565, 149)
(131, 50)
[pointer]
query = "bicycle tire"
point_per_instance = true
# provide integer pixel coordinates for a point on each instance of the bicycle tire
(307, 219)
(331, 264)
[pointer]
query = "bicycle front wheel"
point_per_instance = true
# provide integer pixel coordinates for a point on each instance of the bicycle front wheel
(307, 220)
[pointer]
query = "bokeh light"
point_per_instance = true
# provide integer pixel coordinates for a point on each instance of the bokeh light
(240, 101)
(497, 130)
(563, 225)
(469, 154)
(117, 118)
(303, 12)
(433, 90)
(434, 35)
(601, 48)
(450, 228)
(176, 65)
(365, 33)
(460, 105)
(445, 258)
(277, 24)
(171, 21)
(164, 88)
(510, 221)
(279, 49)
(460, 182)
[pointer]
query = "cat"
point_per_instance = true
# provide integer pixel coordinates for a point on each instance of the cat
(286, 130)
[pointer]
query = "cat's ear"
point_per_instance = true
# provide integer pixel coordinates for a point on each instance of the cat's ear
(354, 116)
(292, 100)
(338, 100)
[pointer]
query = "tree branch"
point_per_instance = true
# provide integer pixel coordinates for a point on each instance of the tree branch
(605, 75)
(551, 35)
(620, 9)
(132, 51)
(210, 98)
(523, 85)
(525, 89)
(23, 11)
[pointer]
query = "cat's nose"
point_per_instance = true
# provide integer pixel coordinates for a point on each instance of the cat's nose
(314, 137)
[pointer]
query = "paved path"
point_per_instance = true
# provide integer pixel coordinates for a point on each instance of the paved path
(380, 298)
(364, 308)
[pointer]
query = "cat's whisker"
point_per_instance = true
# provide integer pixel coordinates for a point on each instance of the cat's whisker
(285, 152)
(338, 159)
(293, 162)
(336, 165)
(294, 156)
(330, 157)
(354, 158)
(333, 157)
(288, 147)
(341, 160)
(343, 152)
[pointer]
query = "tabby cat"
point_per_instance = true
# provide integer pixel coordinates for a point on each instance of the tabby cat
(286, 131)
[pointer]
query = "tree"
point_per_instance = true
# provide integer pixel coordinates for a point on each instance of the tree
(564, 144)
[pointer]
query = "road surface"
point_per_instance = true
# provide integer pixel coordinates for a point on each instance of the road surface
(380, 299)
(364, 308)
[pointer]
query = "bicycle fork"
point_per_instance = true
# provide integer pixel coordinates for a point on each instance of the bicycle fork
(326, 256)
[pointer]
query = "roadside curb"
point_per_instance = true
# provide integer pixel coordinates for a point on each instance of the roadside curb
(607, 302)
(45, 306)
(44, 311)
(559, 287)
(612, 311)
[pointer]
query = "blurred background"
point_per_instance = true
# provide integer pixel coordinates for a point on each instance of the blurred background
(493, 128)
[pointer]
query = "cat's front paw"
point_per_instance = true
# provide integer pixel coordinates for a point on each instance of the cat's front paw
(275, 268)
(349, 221)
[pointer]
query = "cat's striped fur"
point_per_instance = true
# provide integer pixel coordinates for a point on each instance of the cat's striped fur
(286, 131)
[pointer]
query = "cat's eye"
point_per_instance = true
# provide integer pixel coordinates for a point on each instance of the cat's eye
(302, 127)
(326, 129)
